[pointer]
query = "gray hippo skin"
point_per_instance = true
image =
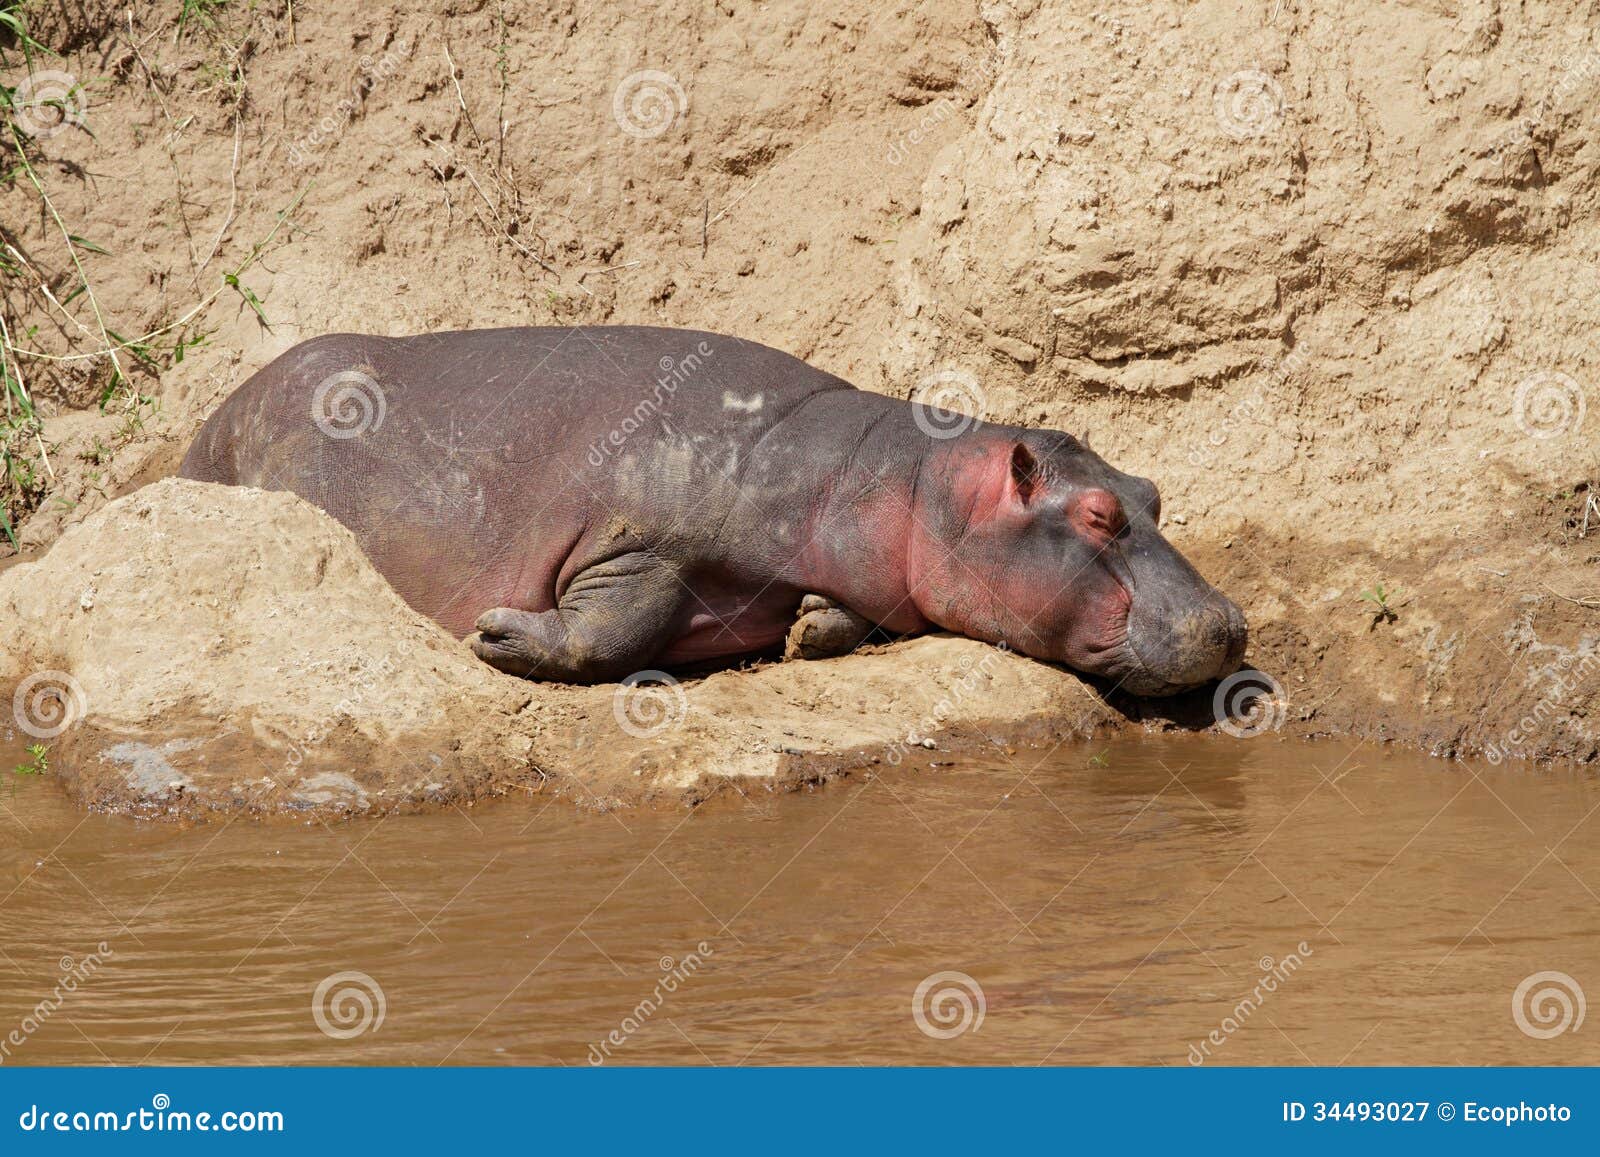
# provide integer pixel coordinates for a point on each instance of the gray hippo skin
(600, 500)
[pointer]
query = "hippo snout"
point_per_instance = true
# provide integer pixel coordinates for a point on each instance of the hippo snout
(1176, 649)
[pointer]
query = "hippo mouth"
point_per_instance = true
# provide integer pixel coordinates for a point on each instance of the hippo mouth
(1160, 628)
(1164, 653)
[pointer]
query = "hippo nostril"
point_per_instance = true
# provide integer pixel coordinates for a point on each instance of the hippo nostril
(1239, 629)
(1236, 634)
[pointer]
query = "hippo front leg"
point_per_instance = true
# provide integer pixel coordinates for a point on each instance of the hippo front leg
(614, 619)
(825, 630)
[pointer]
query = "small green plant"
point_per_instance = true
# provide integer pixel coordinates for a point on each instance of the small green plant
(1100, 759)
(26, 470)
(200, 13)
(15, 25)
(1383, 609)
(133, 420)
(38, 762)
(21, 434)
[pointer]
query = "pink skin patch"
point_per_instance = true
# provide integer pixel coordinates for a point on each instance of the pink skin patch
(732, 626)
(1080, 620)
(1050, 602)
(858, 553)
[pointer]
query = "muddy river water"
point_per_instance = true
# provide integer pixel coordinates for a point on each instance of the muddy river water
(1144, 901)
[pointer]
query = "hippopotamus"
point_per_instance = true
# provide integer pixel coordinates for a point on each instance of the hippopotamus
(591, 502)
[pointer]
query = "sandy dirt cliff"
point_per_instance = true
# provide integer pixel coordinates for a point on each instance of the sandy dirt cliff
(1324, 272)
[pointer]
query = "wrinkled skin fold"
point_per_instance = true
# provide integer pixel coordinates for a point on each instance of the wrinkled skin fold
(592, 502)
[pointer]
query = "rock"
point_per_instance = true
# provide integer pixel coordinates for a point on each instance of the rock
(240, 646)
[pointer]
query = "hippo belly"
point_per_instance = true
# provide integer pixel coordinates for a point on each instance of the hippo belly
(732, 625)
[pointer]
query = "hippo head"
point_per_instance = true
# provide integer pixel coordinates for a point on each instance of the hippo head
(1048, 549)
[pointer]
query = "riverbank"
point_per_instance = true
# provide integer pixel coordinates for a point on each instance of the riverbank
(1324, 276)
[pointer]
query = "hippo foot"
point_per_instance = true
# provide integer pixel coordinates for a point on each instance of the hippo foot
(506, 640)
(614, 617)
(824, 630)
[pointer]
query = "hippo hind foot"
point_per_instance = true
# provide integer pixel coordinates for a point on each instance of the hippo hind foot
(614, 618)
(549, 645)
(824, 630)
(514, 642)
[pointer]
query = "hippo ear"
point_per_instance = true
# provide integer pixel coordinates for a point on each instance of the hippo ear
(1026, 478)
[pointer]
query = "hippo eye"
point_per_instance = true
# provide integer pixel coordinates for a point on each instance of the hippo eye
(1097, 515)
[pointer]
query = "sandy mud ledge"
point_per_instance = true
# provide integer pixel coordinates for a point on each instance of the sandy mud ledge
(192, 650)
